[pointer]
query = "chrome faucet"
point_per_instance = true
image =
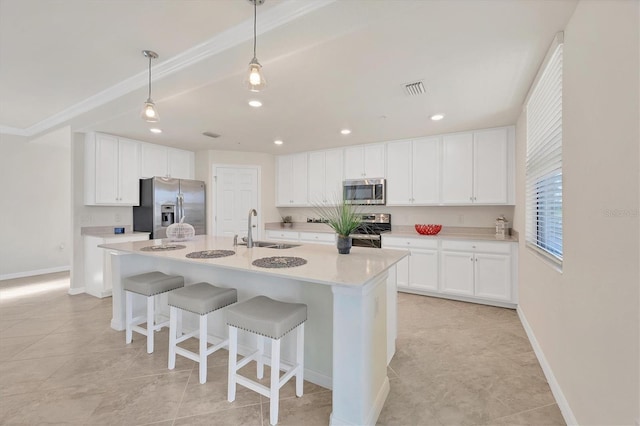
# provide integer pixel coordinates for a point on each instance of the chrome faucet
(249, 233)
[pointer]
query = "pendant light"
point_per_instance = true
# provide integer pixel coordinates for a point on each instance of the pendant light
(149, 112)
(255, 80)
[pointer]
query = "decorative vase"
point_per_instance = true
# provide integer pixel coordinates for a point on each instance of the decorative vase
(344, 244)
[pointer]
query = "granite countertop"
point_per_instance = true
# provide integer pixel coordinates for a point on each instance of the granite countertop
(324, 264)
(107, 231)
(454, 233)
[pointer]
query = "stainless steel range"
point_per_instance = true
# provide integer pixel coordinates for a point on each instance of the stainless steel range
(369, 233)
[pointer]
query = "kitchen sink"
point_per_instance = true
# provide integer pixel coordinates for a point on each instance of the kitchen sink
(269, 244)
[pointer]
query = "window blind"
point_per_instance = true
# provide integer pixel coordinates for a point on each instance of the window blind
(543, 231)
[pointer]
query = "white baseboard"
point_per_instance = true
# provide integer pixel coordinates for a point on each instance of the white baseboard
(34, 272)
(562, 402)
(75, 290)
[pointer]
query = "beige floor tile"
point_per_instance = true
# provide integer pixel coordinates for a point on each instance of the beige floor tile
(309, 410)
(456, 363)
(242, 416)
(141, 400)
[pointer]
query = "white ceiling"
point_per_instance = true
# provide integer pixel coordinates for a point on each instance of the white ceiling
(329, 64)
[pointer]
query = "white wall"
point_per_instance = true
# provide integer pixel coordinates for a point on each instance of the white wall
(204, 171)
(586, 318)
(35, 204)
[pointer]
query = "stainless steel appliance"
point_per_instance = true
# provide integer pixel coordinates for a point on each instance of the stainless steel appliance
(164, 201)
(369, 233)
(364, 191)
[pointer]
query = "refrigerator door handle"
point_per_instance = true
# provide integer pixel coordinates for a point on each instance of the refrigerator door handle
(180, 203)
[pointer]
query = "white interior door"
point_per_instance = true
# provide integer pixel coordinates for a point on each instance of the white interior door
(236, 194)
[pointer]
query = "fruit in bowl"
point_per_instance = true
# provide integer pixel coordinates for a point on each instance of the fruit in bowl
(429, 229)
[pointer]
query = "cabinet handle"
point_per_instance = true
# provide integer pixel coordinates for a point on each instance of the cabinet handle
(471, 259)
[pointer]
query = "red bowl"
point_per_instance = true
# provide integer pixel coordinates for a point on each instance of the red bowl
(428, 229)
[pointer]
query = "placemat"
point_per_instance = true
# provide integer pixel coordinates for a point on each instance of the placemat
(279, 262)
(210, 254)
(164, 247)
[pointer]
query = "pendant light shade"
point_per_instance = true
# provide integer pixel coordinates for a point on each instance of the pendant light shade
(255, 80)
(149, 111)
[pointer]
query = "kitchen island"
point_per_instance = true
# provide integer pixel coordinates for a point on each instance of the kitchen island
(351, 327)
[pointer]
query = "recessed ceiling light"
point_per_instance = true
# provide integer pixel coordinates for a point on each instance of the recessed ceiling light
(436, 117)
(278, 142)
(255, 103)
(154, 130)
(345, 131)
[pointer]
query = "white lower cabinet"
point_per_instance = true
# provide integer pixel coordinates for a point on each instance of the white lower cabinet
(474, 271)
(273, 234)
(97, 261)
(419, 270)
(478, 269)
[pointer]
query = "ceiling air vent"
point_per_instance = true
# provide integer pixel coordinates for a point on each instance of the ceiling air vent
(211, 134)
(414, 89)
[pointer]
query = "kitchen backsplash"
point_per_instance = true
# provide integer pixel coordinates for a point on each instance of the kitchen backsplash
(467, 216)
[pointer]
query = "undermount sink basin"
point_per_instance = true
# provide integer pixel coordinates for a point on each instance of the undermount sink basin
(269, 244)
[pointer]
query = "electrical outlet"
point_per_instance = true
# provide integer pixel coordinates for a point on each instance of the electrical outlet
(117, 218)
(461, 218)
(85, 219)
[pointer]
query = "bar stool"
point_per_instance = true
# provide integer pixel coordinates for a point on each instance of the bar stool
(149, 285)
(200, 299)
(273, 319)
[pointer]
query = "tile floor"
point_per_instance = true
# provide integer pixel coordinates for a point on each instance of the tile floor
(60, 362)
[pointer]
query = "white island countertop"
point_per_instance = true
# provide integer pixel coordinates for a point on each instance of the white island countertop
(351, 327)
(324, 264)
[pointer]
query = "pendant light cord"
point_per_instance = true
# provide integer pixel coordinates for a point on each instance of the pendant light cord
(255, 12)
(149, 76)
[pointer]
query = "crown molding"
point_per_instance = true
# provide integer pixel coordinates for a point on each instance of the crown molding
(273, 18)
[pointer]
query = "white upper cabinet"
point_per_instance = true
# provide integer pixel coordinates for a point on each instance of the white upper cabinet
(364, 161)
(413, 172)
(291, 180)
(490, 167)
(457, 169)
(325, 169)
(181, 163)
(158, 160)
(111, 170)
(477, 167)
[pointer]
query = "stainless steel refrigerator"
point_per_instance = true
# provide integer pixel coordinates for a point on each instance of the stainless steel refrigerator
(164, 201)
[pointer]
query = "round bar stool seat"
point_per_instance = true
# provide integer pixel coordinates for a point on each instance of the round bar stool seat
(149, 285)
(272, 319)
(200, 299)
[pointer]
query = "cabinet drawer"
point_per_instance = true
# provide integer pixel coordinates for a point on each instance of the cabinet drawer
(282, 235)
(476, 246)
(408, 242)
(318, 237)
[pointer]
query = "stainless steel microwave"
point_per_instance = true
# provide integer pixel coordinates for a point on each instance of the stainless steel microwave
(364, 191)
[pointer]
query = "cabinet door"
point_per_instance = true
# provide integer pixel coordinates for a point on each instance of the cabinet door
(493, 276)
(354, 162)
(180, 163)
(129, 192)
(402, 272)
(457, 273)
(316, 168)
(299, 186)
(426, 171)
(423, 269)
(106, 169)
(490, 172)
(284, 184)
(374, 161)
(399, 173)
(457, 169)
(153, 160)
(333, 167)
